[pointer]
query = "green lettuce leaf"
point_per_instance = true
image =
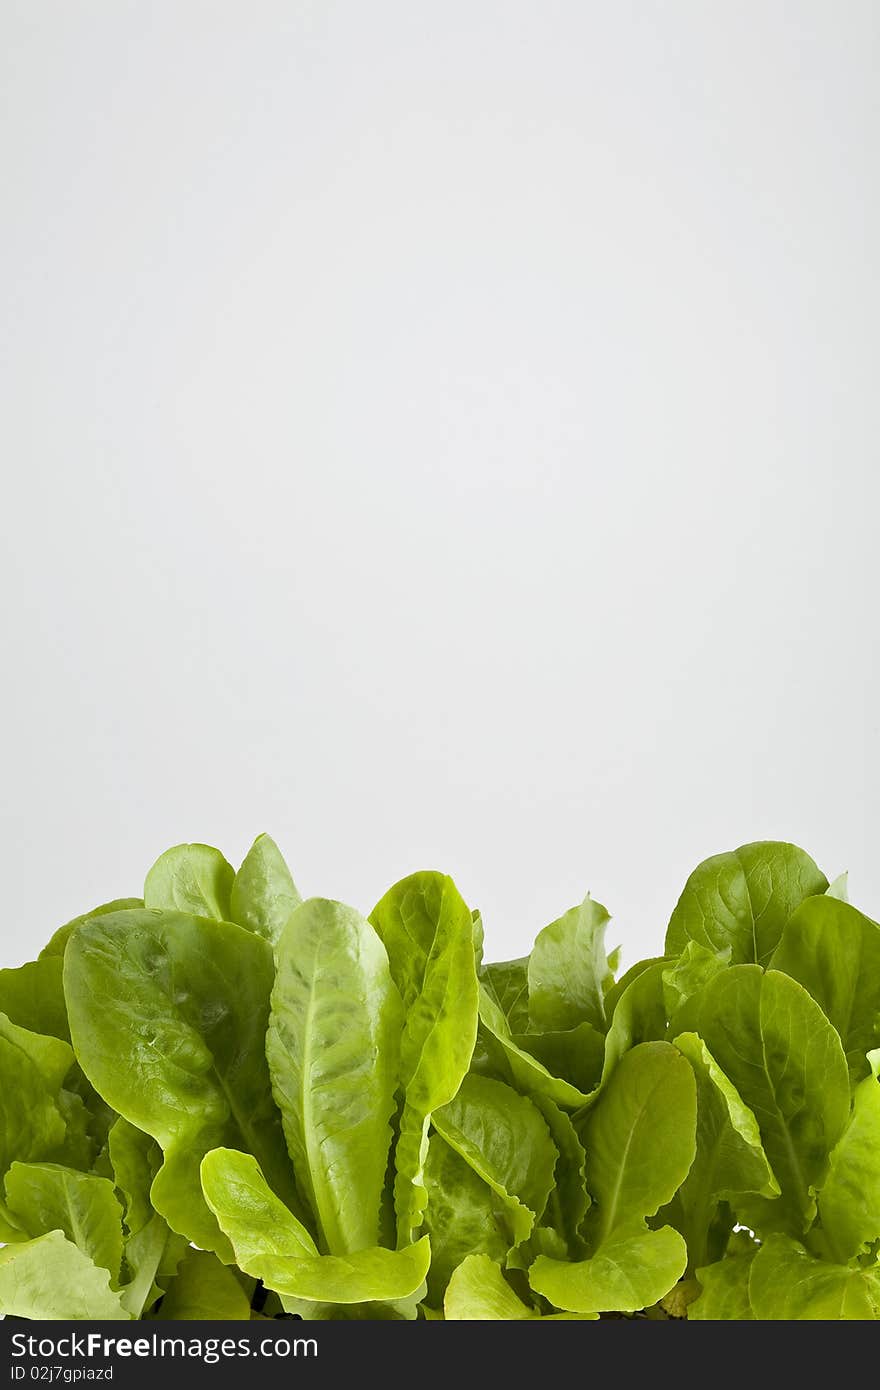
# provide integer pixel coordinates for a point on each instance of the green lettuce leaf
(152, 1257)
(50, 1056)
(263, 892)
(151, 1248)
(272, 1245)
(333, 1048)
(849, 1202)
(632, 1270)
(507, 981)
(505, 1139)
(204, 1289)
(725, 1295)
(780, 1052)
(57, 943)
(526, 1072)
(569, 1201)
(32, 1068)
(730, 1161)
(136, 1159)
(741, 901)
(567, 971)
(51, 1279)
(576, 1055)
(687, 975)
(463, 1216)
(639, 1015)
(177, 1046)
(427, 930)
(195, 879)
(788, 1284)
(479, 935)
(616, 989)
(834, 952)
(10, 1229)
(478, 1291)
(33, 997)
(640, 1142)
(46, 1197)
(86, 1120)
(256, 1221)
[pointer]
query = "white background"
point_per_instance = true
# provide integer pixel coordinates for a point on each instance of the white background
(442, 435)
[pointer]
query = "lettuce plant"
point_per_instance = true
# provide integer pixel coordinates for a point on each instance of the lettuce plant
(221, 1101)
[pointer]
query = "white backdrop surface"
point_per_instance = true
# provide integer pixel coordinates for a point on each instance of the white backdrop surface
(442, 436)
